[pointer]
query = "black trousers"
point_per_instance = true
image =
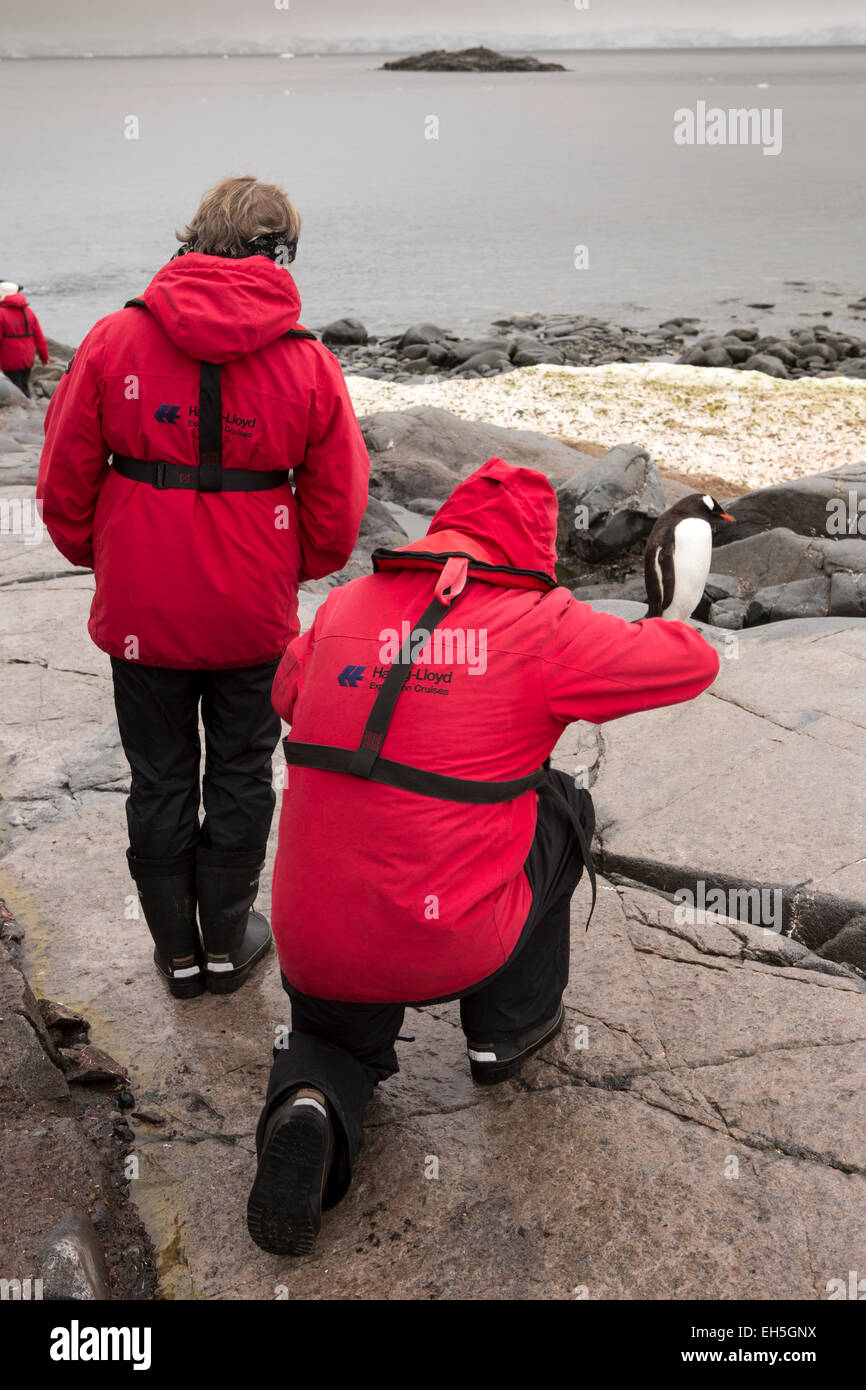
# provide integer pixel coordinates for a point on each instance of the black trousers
(158, 718)
(20, 378)
(346, 1049)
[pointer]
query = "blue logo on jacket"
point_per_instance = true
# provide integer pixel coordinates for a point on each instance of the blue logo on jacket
(350, 675)
(167, 414)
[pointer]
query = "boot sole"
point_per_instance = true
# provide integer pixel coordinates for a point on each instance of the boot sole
(491, 1073)
(284, 1211)
(186, 989)
(221, 982)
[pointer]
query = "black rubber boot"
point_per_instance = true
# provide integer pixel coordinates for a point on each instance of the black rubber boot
(234, 936)
(166, 891)
(284, 1211)
(493, 1062)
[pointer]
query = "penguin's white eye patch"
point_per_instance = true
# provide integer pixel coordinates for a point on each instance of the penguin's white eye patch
(708, 502)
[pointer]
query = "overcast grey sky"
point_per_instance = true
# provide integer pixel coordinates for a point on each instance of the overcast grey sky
(111, 25)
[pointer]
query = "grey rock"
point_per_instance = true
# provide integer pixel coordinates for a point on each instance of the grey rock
(610, 505)
(810, 506)
(721, 586)
(782, 352)
(342, 332)
(489, 361)
(423, 333)
(728, 613)
(425, 452)
(9, 394)
(737, 350)
(848, 595)
(460, 353)
(377, 522)
(848, 945)
(426, 506)
(802, 598)
(72, 1263)
(528, 352)
(717, 357)
(763, 362)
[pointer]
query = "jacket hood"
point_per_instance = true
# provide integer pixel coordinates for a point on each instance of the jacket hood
(13, 301)
(509, 512)
(215, 308)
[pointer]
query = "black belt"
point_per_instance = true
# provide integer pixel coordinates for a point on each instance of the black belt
(175, 475)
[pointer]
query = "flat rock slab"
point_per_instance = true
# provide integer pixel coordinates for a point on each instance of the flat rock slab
(759, 783)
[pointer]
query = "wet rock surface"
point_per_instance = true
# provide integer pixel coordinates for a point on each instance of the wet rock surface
(69, 1229)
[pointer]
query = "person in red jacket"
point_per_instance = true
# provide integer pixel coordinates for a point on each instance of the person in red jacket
(424, 854)
(166, 468)
(20, 336)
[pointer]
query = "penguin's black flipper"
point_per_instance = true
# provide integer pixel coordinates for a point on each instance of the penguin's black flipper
(659, 577)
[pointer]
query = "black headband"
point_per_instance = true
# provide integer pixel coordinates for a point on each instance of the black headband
(275, 245)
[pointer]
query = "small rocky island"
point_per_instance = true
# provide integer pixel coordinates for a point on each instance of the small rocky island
(469, 60)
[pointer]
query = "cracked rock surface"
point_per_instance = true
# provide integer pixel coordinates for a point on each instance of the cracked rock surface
(696, 1131)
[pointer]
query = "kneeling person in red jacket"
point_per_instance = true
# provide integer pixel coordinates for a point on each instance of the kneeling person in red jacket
(166, 469)
(424, 855)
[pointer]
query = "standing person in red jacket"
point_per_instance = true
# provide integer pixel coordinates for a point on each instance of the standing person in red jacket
(417, 862)
(166, 468)
(20, 336)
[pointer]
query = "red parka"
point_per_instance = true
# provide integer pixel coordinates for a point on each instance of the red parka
(203, 579)
(385, 895)
(20, 335)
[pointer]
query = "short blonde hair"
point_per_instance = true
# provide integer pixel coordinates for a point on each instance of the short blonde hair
(234, 211)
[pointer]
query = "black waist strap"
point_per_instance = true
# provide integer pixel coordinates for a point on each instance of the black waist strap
(173, 475)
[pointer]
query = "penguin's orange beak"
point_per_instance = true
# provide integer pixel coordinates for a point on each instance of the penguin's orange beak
(725, 516)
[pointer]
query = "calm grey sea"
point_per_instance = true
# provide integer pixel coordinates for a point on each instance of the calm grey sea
(480, 222)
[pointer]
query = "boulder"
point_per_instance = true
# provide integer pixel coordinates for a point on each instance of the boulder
(380, 527)
(425, 452)
(780, 556)
(9, 393)
(529, 352)
(422, 334)
(823, 504)
(344, 332)
(485, 363)
(471, 347)
(802, 598)
(609, 505)
(728, 613)
(764, 362)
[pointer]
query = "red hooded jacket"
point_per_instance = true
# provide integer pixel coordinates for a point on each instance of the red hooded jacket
(203, 579)
(385, 895)
(20, 335)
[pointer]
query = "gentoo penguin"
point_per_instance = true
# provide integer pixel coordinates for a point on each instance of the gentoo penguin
(678, 556)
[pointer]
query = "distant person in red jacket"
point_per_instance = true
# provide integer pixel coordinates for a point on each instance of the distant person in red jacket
(20, 336)
(423, 856)
(166, 468)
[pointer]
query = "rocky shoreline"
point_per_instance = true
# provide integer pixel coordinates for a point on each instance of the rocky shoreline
(527, 340)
